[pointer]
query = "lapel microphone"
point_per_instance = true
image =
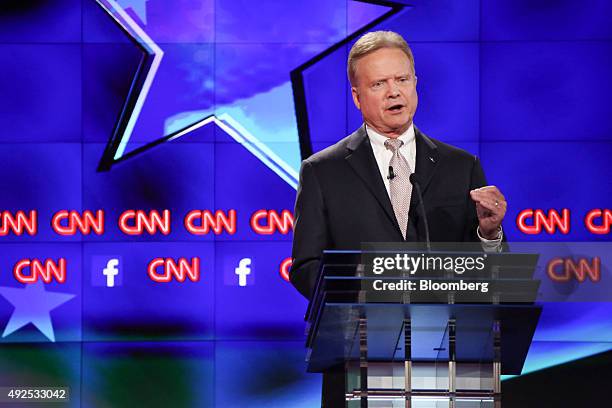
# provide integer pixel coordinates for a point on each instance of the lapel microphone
(391, 175)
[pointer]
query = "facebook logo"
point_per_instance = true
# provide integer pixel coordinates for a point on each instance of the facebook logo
(111, 271)
(238, 269)
(106, 271)
(243, 270)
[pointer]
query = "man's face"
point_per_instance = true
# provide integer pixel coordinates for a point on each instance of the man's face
(385, 91)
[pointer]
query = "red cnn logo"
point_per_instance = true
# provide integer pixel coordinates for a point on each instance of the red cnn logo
(606, 221)
(47, 270)
(18, 224)
(274, 222)
(285, 266)
(219, 222)
(141, 222)
(562, 269)
(181, 270)
(75, 221)
(549, 222)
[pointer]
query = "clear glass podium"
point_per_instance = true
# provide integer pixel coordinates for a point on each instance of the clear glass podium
(422, 347)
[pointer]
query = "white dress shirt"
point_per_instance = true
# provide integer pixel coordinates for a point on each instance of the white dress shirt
(383, 155)
(408, 150)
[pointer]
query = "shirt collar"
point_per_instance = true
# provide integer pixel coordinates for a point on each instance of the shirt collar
(378, 140)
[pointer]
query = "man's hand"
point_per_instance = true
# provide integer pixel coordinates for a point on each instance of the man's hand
(491, 209)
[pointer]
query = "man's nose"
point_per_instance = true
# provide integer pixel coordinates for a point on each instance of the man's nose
(393, 90)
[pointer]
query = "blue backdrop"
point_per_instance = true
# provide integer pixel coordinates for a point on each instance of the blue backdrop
(210, 104)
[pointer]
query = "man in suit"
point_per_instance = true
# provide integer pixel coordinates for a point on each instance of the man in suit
(358, 190)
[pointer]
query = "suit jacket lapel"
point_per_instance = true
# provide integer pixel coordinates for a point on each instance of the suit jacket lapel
(427, 159)
(361, 158)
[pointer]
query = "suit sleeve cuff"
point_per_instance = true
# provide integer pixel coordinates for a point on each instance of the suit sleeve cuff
(491, 245)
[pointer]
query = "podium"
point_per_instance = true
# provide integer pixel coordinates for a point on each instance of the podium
(440, 341)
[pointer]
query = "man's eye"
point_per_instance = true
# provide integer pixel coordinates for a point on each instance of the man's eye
(377, 84)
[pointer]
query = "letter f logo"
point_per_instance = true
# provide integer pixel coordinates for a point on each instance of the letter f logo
(243, 270)
(111, 271)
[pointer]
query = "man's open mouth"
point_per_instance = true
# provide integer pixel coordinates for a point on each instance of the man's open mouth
(395, 108)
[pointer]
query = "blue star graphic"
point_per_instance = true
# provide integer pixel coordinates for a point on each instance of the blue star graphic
(33, 304)
(259, 98)
(138, 6)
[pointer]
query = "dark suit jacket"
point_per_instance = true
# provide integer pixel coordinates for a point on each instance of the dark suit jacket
(342, 201)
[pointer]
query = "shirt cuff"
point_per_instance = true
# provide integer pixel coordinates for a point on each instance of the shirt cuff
(491, 245)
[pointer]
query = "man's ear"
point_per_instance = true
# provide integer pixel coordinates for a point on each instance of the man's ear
(355, 97)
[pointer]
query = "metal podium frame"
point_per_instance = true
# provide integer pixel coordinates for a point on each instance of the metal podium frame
(407, 393)
(328, 296)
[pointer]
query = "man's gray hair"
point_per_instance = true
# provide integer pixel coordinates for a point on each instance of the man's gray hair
(374, 41)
